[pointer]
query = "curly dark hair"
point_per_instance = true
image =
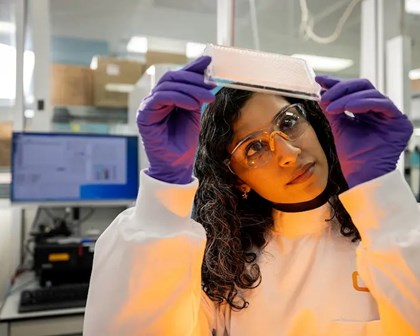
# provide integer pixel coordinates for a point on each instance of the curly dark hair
(236, 228)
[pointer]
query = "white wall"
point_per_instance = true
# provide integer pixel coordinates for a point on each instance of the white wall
(415, 108)
(9, 248)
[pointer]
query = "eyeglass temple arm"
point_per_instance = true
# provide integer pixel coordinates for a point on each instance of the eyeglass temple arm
(281, 134)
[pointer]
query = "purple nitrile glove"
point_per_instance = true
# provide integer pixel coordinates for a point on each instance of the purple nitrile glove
(368, 145)
(169, 121)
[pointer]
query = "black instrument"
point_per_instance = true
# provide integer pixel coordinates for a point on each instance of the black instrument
(50, 298)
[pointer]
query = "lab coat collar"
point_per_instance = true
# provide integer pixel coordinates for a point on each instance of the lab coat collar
(297, 224)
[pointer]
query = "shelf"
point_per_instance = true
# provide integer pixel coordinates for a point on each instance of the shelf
(68, 114)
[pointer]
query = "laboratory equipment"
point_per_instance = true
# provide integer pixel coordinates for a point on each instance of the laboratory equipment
(262, 72)
(73, 168)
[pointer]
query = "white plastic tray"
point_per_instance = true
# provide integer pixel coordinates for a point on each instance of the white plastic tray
(262, 72)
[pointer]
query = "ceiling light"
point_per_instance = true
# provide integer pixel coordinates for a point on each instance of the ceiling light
(412, 6)
(193, 49)
(137, 44)
(329, 64)
(414, 74)
(7, 27)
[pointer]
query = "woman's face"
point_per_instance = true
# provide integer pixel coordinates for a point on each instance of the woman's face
(297, 170)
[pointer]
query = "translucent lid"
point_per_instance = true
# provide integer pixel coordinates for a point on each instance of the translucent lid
(262, 72)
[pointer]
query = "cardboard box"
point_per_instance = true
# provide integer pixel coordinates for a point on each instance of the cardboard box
(155, 57)
(71, 85)
(6, 129)
(415, 86)
(112, 80)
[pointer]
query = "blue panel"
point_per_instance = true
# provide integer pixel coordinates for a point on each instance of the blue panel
(67, 50)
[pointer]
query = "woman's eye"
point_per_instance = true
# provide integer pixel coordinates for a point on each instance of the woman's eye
(255, 147)
(287, 123)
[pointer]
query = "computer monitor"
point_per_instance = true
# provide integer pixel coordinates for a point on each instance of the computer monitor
(73, 168)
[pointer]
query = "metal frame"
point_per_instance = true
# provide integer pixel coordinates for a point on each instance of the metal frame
(372, 43)
(225, 22)
(39, 11)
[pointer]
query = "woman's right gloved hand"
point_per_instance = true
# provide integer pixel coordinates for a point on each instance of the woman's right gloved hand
(169, 121)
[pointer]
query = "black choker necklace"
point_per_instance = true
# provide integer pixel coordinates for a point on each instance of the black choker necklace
(321, 199)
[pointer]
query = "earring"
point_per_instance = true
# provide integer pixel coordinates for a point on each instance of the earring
(245, 194)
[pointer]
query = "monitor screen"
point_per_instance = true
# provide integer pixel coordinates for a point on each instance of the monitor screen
(74, 168)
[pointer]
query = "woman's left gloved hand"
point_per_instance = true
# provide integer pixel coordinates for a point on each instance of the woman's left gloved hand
(368, 145)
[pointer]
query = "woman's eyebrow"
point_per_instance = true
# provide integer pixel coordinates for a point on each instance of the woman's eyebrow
(249, 135)
(282, 110)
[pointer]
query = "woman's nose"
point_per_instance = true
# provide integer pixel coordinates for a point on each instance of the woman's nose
(285, 152)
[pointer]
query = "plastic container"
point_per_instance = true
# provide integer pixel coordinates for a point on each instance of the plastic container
(261, 72)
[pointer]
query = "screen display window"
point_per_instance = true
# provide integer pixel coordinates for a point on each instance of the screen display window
(73, 167)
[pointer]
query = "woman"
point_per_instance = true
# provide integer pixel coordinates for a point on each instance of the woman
(291, 245)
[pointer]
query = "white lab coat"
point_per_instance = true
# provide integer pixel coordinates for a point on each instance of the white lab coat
(147, 264)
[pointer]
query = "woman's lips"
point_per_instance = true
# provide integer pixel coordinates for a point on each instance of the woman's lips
(303, 174)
